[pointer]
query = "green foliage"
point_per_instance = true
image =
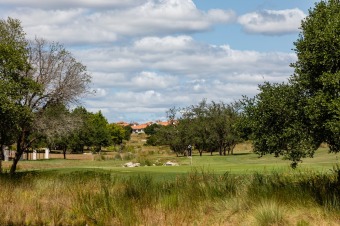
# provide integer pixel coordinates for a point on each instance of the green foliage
(13, 82)
(98, 130)
(276, 122)
(207, 127)
(80, 137)
(317, 70)
(152, 129)
(294, 119)
(128, 132)
(117, 133)
(34, 77)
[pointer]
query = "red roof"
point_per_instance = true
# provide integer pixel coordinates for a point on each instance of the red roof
(142, 126)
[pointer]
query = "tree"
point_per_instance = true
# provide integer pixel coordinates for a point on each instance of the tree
(152, 129)
(317, 70)
(80, 136)
(128, 132)
(293, 119)
(206, 126)
(57, 78)
(56, 125)
(117, 133)
(13, 62)
(99, 134)
(195, 119)
(276, 124)
(224, 118)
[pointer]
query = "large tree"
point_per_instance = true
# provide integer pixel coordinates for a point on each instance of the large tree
(13, 62)
(317, 70)
(35, 75)
(276, 123)
(99, 134)
(293, 119)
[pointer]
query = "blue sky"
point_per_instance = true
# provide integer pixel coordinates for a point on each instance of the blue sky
(146, 56)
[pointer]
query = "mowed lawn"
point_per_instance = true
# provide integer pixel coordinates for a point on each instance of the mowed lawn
(242, 162)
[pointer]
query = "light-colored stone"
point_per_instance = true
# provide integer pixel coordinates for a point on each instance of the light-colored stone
(169, 163)
(131, 164)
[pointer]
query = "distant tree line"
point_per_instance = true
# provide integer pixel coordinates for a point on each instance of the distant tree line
(208, 127)
(92, 132)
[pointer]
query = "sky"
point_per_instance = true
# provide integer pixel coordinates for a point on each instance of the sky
(147, 56)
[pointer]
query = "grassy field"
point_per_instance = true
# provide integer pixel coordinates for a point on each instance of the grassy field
(239, 189)
(242, 162)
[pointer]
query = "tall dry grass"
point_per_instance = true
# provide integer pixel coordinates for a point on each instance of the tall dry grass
(198, 198)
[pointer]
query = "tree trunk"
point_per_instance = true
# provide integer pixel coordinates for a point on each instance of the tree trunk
(21, 147)
(232, 149)
(16, 159)
(1, 156)
(64, 152)
(27, 154)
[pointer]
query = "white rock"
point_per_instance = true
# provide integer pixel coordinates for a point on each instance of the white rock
(169, 163)
(131, 164)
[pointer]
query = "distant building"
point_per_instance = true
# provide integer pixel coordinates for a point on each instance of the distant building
(123, 123)
(136, 128)
(139, 128)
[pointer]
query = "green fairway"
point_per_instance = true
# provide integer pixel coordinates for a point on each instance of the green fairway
(242, 162)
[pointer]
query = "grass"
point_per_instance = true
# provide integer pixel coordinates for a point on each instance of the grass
(242, 162)
(240, 189)
(198, 198)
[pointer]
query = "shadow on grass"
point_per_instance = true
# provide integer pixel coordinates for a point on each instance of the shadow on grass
(244, 153)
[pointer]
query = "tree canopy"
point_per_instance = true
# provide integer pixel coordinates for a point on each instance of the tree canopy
(317, 70)
(293, 119)
(208, 127)
(35, 75)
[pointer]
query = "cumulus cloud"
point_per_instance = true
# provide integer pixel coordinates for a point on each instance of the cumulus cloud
(272, 22)
(165, 44)
(143, 57)
(81, 24)
(139, 63)
(179, 71)
(151, 80)
(61, 4)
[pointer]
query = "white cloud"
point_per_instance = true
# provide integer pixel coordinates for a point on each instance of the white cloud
(178, 74)
(143, 57)
(81, 24)
(166, 44)
(272, 22)
(98, 93)
(138, 65)
(151, 80)
(52, 4)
